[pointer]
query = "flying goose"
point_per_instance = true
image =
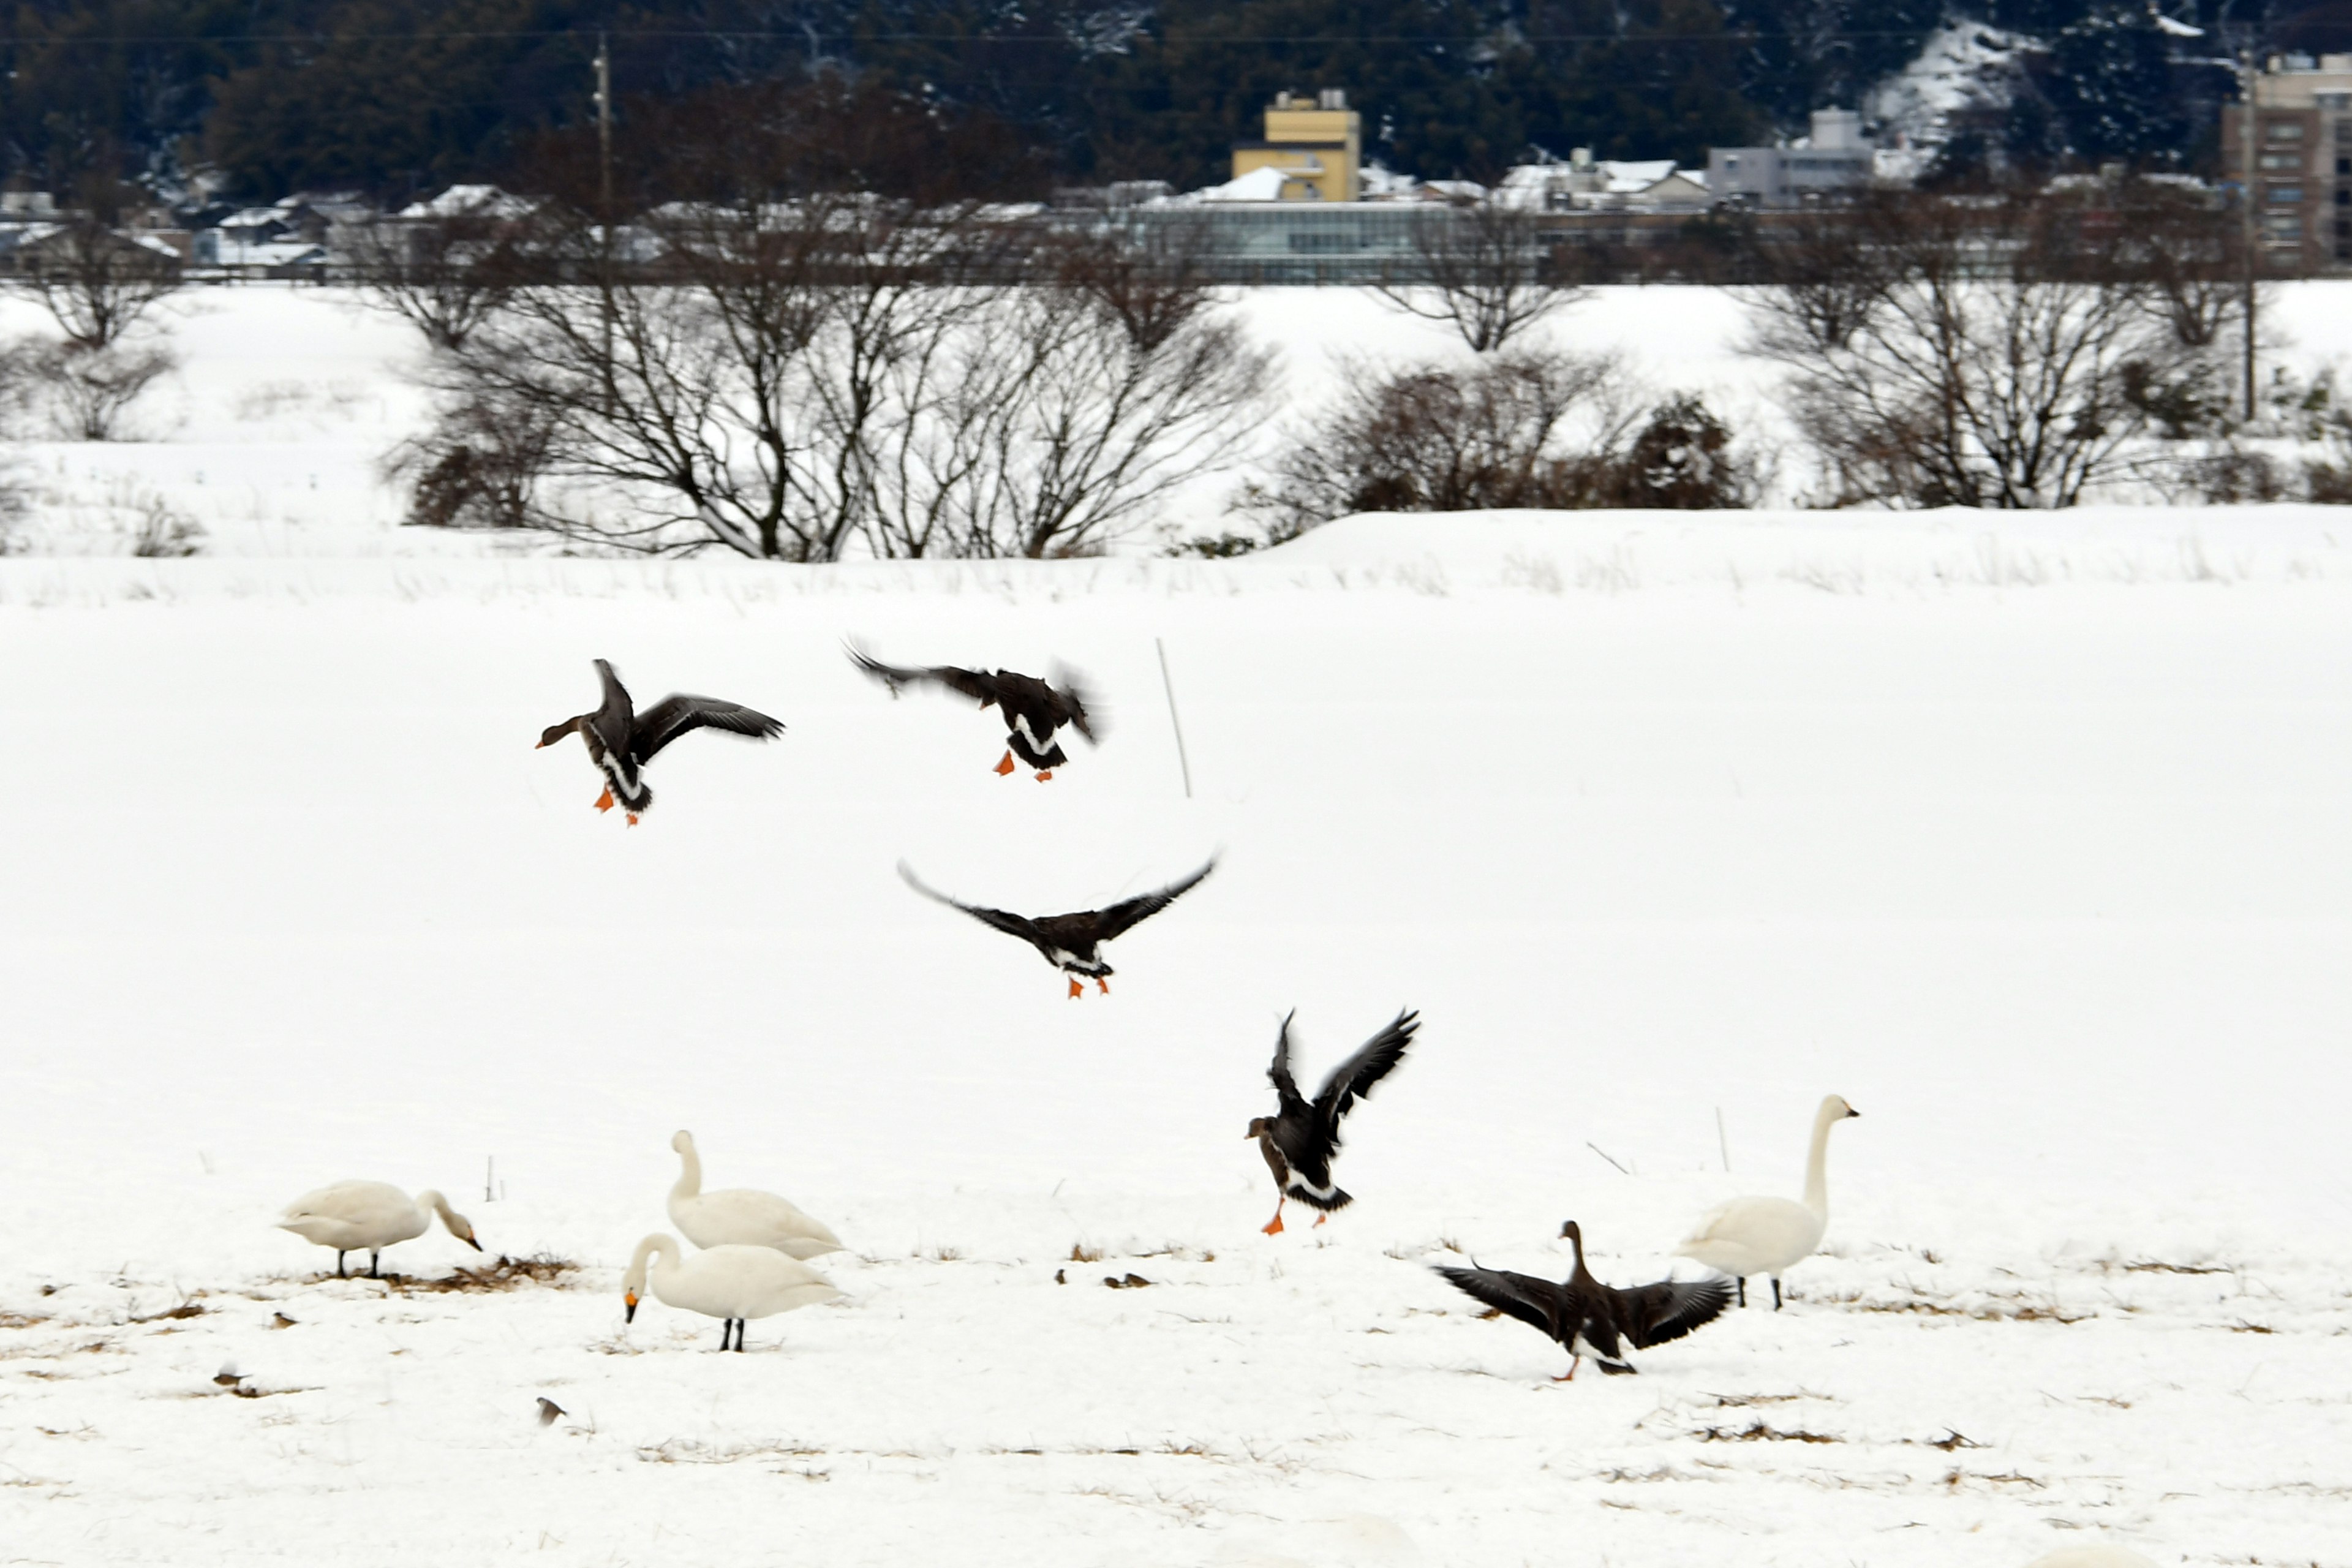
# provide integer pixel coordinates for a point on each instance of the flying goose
(1590, 1318)
(622, 741)
(1770, 1234)
(1033, 708)
(741, 1217)
(352, 1217)
(1071, 942)
(730, 1283)
(1299, 1140)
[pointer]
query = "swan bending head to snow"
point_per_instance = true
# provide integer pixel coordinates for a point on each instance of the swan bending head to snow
(354, 1216)
(741, 1217)
(1770, 1235)
(730, 1283)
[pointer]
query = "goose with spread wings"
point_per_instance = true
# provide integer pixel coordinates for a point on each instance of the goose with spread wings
(1299, 1140)
(1033, 708)
(1590, 1319)
(1071, 942)
(621, 740)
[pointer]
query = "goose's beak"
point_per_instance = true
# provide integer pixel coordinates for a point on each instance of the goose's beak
(539, 745)
(629, 1307)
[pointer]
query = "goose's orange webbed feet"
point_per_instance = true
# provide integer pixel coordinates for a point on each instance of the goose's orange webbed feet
(1076, 990)
(1005, 767)
(604, 801)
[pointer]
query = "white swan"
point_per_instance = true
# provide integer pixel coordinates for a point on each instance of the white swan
(741, 1217)
(2100, 1555)
(1766, 1236)
(730, 1283)
(350, 1215)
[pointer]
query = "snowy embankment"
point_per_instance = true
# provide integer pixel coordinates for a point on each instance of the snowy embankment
(2046, 868)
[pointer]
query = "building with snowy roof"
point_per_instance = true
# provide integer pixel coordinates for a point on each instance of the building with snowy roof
(1313, 151)
(1837, 157)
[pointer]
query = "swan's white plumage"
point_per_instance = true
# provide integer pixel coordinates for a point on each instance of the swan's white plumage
(724, 1281)
(1770, 1234)
(366, 1216)
(2100, 1555)
(741, 1217)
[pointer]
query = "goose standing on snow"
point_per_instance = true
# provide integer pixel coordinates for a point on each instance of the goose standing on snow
(1071, 942)
(356, 1216)
(1299, 1140)
(621, 740)
(1033, 708)
(1767, 1235)
(741, 1217)
(732, 1284)
(1592, 1318)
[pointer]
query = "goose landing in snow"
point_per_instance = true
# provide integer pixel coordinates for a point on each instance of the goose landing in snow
(1592, 1318)
(741, 1217)
(1071, 942)
(1768, 1235)
(732, 1284)
(355, 1216)
(1033, 708)
(1300, 1139)
(621, 740)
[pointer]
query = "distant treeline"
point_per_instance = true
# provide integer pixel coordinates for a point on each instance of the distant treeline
(398, 96)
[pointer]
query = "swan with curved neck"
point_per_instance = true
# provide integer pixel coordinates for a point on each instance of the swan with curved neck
(732, 1284)
(355, 1216)
(741, 1217)
(1770, 1235)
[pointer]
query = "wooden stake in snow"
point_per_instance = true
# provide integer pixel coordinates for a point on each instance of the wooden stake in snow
(1721, 1141)
(1173, 721)
(1604, 1154)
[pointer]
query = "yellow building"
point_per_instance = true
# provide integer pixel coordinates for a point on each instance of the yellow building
(1317, 143)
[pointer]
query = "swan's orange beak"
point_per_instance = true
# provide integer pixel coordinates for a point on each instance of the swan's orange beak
(629, 1313)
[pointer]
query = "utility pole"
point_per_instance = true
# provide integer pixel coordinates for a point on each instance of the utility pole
(605, 124)
(2249, 221)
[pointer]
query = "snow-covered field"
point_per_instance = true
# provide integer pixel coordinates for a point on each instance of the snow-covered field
(2028, 836)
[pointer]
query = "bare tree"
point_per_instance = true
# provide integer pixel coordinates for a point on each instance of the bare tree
(1972, 374)
(1481, 268)
(96, 284)
(443, 274)
(1513, 430)
(1072, 417)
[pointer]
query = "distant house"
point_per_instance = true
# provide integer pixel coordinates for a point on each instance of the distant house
(1837, 157)
(2302, 161)
(1585, 183)
(1316, 145)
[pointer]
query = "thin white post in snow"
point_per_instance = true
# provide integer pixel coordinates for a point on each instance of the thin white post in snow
(1169, 684)
(490, 1180)
(1721, 1141)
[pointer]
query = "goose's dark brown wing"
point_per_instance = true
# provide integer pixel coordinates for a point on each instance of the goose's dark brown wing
(1130, 912)
(681, 712)
(1285, 1087)
(1011, 924)
(617, 715)
(1071, 694)
(1353, 1079)
(1533, 1302)
(1654, 1314)
(974, 684)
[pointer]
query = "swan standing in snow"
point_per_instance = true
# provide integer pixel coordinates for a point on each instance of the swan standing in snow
(352, 1215)
(741, 1217)
(1767, 1236)
(730, 1283)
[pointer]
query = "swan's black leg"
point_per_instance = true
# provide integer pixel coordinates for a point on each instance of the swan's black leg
(739, 1336)
(1743, 1290)
(339, 1267)
(375, 1258)
(1776, 1292)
